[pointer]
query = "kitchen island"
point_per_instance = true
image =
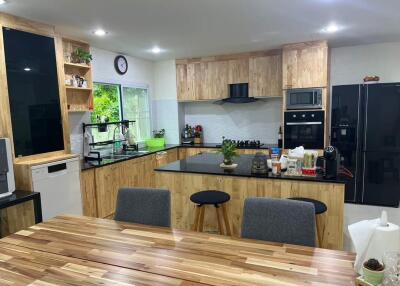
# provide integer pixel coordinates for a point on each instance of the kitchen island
(202, 172)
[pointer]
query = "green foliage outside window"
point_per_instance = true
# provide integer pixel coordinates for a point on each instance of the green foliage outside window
(106, 102)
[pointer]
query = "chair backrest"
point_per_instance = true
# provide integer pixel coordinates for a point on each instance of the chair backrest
(144, 206)
(279, 220)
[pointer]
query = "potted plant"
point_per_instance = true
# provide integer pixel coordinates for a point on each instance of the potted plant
(158, 139)
(81, 55)
(228, 150)
(373, 271)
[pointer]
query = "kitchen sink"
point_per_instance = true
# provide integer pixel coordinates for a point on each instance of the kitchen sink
(117, 156)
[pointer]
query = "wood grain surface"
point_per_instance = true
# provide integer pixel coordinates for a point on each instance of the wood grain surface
(185, 255)
(22, 266)
(183, 185)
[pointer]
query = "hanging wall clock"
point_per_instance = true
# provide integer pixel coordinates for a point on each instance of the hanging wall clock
(121, 64)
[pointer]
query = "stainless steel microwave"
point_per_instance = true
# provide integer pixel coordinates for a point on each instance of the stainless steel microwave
(304, 98)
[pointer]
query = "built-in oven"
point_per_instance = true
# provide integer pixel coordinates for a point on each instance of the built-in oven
(304, 128)
(304, 98)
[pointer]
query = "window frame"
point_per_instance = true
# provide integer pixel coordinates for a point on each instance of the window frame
(142, 86)
(121, 91)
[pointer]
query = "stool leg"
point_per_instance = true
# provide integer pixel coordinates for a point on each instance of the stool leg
(196, 218)
(227, 226)
(201, 219)
(219, 218)
(320, 229)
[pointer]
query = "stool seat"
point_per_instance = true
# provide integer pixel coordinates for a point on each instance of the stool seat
(319, 206)
(210, 197)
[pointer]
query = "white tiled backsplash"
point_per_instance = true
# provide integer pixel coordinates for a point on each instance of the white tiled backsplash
(258, 120)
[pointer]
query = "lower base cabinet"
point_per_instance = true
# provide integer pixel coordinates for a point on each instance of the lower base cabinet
(100, 185)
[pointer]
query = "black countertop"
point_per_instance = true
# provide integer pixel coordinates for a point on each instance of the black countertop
(218, 145)
(207, 163)
(149, 151)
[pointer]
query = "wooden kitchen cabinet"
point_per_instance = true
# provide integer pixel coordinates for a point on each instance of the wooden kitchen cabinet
(265, 76)
(214, 80)
(181, 82)
(88, 191)
(305, 65)
(165, 157)
(186, 152)
(238, 70)
(194, 86)
(100, 186)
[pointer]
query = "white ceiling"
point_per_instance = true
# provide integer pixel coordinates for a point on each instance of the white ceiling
(191, 28)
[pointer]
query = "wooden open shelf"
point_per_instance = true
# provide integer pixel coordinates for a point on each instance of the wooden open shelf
(74, 65)
(79, 99)
(78, 88)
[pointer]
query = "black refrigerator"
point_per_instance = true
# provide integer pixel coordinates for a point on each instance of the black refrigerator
(365, 127)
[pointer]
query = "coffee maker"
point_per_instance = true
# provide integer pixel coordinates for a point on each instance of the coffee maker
(7, 181)
(332, 162)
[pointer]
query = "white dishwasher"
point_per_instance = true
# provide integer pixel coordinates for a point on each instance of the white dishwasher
(59, 186)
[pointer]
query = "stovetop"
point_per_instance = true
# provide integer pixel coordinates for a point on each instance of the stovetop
(247, 144)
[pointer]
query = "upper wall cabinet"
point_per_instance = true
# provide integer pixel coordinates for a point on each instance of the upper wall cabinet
(181, 81)
(214, 80)
(265, 76)
(305, 65)
(238, 70)
(193, 85)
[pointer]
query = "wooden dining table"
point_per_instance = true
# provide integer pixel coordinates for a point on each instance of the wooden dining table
(76, 250)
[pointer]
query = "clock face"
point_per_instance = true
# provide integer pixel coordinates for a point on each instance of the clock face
(121, 64)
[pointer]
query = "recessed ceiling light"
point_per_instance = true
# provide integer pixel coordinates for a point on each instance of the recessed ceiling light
(156, 50)
(331, 28)
(27, 69)
(3, 2)
(98, 32)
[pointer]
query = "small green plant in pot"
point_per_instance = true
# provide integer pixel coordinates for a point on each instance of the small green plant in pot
(81, 55)
(373, 271)
(228, 150)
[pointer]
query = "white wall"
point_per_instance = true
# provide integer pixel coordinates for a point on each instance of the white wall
(258, 120)
(140, 72)
(165, 105)
(350, 65)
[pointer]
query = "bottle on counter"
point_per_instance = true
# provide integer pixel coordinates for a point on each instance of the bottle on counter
(280, 137)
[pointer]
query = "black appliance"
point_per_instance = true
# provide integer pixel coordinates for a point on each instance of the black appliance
(332, 162)
(304, 128)
(259, 164)
(304, 98)
(238, 93)
(365, 127)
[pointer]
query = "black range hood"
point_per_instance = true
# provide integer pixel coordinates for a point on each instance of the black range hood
(238, 93)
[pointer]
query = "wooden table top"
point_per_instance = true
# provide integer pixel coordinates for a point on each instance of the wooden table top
(181, 257)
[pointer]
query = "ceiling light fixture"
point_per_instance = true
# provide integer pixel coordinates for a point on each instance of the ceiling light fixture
(27, 69)
(98, 32)
(156, 50)
(3, 2)
(331, 28)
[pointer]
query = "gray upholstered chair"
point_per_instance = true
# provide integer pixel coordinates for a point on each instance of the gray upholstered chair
(144, 206)
(279, 220)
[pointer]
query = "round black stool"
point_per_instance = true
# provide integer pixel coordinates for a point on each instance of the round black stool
(211, 197)
(320, 208)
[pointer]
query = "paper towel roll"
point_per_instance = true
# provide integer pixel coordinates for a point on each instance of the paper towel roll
(384, 238)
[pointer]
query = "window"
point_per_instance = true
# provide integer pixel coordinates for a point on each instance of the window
(135, 106)
(114, 102)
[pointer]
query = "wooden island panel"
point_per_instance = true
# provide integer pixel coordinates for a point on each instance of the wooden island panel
(182, 185)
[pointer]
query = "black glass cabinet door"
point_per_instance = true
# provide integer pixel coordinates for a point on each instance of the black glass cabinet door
(33, 92)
